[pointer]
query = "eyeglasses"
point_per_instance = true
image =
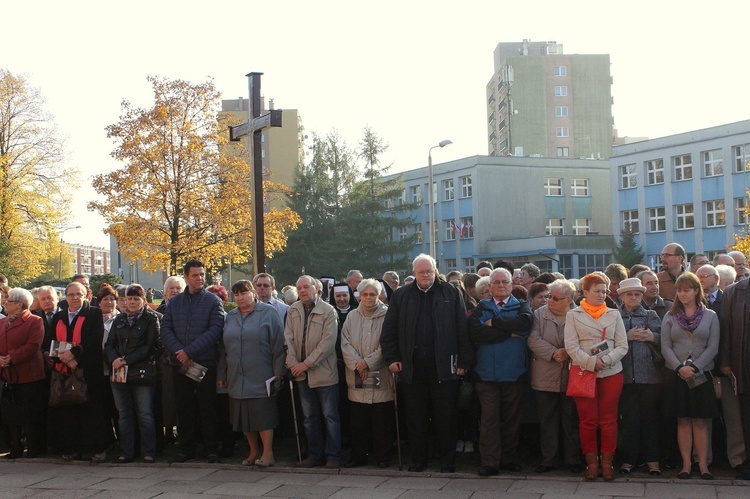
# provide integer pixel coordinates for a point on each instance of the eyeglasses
(665, 255)
(425, 272)
(504, 282)
(559, 298)
(262, 285)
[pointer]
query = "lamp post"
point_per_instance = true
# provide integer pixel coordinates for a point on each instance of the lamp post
(442, 143)
(59, 269)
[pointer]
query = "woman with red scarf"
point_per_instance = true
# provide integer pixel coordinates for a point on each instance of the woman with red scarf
(586, 326)
(80, 427)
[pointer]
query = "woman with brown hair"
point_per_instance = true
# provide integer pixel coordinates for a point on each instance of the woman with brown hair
(586, 326)
(689, 343)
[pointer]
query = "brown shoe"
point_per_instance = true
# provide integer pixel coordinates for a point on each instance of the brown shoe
(311, 462)
(592, 466)
(608, 470)
(333, 464)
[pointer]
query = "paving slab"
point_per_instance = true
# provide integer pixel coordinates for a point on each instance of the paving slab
(131, 494)
(408, 483)
(294, 478)
(354, 481)
(615, 488)
(544, 486)
(682, 490)
(125, 484)
(245, 475)
(181, 495)
(72, 482)
(182, 473)
(502, 494)
(64, 493)
(436, 494)
(489, 483)
(242, 489)
(358, 493)
(11, 492)
(732, 491)
(181, 486)
(302, 491)
(125, 470)
(22, 480)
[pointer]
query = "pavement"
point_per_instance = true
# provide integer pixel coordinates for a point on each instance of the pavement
(198, 479)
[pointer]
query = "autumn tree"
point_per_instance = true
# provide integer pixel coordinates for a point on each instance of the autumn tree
(33, 181)
(182, 193)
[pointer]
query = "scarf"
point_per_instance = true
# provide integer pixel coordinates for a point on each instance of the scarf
(134, 316)
(691, 322)
(595, 311)
(367, 312)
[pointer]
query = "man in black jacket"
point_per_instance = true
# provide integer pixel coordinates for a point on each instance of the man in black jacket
(425, 340)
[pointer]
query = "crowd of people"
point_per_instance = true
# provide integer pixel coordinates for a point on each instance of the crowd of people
(624, 365)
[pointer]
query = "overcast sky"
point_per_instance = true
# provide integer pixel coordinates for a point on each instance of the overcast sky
(415, 71)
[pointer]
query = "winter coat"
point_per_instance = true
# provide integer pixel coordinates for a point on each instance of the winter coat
(320, 343)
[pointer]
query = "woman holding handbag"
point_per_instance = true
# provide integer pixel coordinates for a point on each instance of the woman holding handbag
(596, 342)
(689, 343)
(639, 404)
(132, 346)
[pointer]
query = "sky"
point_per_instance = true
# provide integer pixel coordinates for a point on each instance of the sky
(414, 71)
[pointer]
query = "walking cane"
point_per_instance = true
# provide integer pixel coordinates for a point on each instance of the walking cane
(398, 432)
(294, 413)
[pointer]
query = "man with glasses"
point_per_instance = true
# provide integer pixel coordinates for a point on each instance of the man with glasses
(697, 261)
(264, 285)
(425, 340)
(672, 260)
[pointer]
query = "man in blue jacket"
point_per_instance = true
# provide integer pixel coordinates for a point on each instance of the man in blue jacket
(190, 331)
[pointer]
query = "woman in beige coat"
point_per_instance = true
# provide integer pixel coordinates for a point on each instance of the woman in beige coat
(369, 381)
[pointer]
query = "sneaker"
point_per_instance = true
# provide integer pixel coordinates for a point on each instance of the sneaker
(460, 446)
(468, 447)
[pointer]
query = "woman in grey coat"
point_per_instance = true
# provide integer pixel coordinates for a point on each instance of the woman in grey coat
(639, 402)
(251, 362)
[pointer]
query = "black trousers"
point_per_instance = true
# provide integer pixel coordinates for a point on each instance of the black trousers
(373, 428)
(558, 424)
(423, 391)
(745, 413)
(639, 424)
(196, 400)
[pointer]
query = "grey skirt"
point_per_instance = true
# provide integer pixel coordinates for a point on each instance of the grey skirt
(254, 414)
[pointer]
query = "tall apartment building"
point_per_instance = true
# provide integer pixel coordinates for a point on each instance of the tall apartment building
(690, 188)
(89, 260)
(542, 102)
(553, 212)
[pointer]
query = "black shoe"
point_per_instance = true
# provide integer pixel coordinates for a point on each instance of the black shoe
(488, 471)
(182, 457)
(683, 475)
(447, 468)
(707, 476)
(352, 463)
(576, 468)
(213, 458)
(417, 467)
(513, 467)
(544, 469)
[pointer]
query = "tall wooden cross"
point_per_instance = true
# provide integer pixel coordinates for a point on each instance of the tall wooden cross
(255, 125)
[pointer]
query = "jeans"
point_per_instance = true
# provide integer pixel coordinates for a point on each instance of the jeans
(135, 401)
(321, 405)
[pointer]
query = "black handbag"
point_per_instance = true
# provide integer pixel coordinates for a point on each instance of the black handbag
(67, 389)
(465, 394)
(7, 387)
(142, 373)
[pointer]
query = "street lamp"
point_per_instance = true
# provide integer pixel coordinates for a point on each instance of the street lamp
(442, 143)
(59, 269)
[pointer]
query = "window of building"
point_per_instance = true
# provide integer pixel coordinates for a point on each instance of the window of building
(566, 265)
(561, 111)
(467, 227)
(581, 226)
(561, 70)
(683, 167)
(630, 221)
(563, 152)
(592, 263)
(713, 163)
(555, 227)
(715, 213)
(654, 172)
(415, 193)
(466, 190)
(561, 91)
(468, 265)
(417, 230)
(402, 200)
(741, 158)
(450, 230)
(553, 187)
(403, 234)
(561, 131)
(450, 264)
(579, 187)
(684, 216)
(740, 205)
(448, 194)
(628, 176)
(657, 221)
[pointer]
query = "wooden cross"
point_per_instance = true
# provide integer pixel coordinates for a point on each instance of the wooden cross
(255, 125)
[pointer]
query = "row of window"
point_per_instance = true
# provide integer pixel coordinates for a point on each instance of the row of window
(554, 187)
(450, 265)
(464, 229)
(556, 226)
(712, 163)
(714, 212)
(449, 193)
